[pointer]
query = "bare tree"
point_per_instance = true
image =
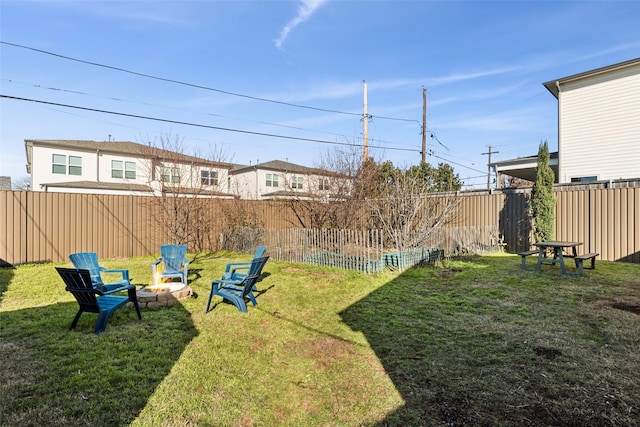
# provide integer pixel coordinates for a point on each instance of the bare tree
(23, 183)
(242, 229)
(186, 188)
(407, 210)
(406, 204)
(335, 193)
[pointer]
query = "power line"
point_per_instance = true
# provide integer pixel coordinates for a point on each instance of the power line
(433, 136)
(458, 164)
(164, 79)
(199, 124)
(75, 92)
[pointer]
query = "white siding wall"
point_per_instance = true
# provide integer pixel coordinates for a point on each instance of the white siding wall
(599, 122)
(99, 168)
(143, 169)
(252, 184)
(244, 184)
(42, 167)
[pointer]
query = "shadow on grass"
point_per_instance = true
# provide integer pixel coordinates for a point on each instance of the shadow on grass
(78, 376)
(6, 273)
(459, 352)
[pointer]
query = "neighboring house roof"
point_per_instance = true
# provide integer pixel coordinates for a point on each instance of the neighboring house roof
(288, 194)
(5, 183)
(101, 186)
(525, 167)
(120, 147)
(199, 192)
(281, 166)
(552, 85)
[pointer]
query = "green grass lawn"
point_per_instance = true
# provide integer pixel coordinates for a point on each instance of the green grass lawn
(472, 341)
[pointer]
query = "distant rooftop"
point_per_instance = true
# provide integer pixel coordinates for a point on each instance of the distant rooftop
(5, 183)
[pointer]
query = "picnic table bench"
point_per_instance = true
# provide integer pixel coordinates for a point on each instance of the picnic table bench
(581, 258)
(559, 256)
(524, 256)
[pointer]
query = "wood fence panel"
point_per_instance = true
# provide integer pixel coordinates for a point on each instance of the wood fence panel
(623, 230)
(37, 226)
(634, 212)
(39, 229)
(8, 228)
(606, 209)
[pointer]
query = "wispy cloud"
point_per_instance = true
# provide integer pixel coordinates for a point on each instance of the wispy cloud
(305, 10)
(164, 13)
(459, 77)
(500, 121)
(438, 80)
(341, 90)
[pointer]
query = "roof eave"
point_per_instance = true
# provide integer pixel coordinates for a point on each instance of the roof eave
(553, 85)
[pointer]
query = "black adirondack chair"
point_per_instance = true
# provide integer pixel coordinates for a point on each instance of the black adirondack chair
(92, 300)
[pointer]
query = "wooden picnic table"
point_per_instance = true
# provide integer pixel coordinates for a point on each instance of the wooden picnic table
(558, 253)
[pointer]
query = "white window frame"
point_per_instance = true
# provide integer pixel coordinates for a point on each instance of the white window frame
(66, 165)
(323, 184)
(117, 169)
(272, 180)
(130, 170)
(123, 169)
(75, 165)
(297, 182)
(59, 164)
(211, 178)
(171, 175)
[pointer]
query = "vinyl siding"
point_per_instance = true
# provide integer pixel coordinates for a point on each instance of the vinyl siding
(42, 167)
(600, 126)
(98, 168)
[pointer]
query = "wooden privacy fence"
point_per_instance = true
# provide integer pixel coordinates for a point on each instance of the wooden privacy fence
(38, 226)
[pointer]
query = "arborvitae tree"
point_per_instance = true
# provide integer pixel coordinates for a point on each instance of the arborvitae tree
(542, 200)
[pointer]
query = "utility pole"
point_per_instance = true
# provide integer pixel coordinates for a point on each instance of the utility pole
(489, 167)
(365, 126)
(424, 124)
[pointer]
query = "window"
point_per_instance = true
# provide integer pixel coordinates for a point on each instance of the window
(120, 169)
(272, 180)
(584, 179)
(116, 169)
(296, 182)
(130, 170)
(323, 184)
(208, 177)
(75, 165)
(59, 163)
(171, 175)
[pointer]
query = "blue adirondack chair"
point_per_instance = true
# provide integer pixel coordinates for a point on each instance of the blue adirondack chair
(236, 294)
(174, 263)
(89, 261)
(92, 300)
(253, 268)
(240, 270)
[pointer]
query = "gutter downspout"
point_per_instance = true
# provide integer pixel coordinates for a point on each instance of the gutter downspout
(559, 133)
(257, 190)
(98, 165)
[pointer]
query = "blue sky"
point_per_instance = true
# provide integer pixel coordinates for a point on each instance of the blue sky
(483, 64)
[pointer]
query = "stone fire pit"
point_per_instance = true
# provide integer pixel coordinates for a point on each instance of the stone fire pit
(163, 295)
